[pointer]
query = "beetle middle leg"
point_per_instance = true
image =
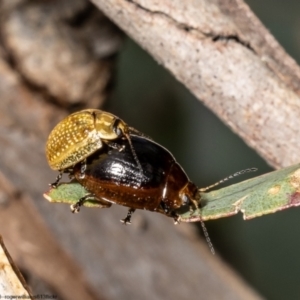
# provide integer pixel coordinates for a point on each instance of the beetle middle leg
(127, 220)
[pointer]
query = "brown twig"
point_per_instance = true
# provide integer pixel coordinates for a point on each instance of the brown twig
(226, 57)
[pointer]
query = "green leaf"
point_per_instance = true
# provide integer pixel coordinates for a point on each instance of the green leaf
(255, 197)
(70, 193)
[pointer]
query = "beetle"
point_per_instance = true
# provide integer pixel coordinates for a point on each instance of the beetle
(112, 176)
(118, 164)
(81, 134)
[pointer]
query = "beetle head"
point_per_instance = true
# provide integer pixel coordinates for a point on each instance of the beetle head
(108, 126)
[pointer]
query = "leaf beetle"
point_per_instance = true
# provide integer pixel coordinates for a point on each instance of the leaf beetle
(81, 134)
(112, 176)
(118, 164)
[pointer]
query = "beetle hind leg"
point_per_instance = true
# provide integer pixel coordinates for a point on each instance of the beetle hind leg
(101, 203)
(127, 220)
(75, 208)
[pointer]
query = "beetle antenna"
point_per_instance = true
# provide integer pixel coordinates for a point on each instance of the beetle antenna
(207, 238)
(228, 178)
(204, 229)
(134, 131)
(133, 152)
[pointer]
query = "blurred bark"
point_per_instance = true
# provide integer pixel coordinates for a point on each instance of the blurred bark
(53, 54)
(36, 250)
(227, 58)
(11, 280)
(61, 49)
(56, 56)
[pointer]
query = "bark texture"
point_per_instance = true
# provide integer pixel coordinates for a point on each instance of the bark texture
(56, 56)
(226, 58)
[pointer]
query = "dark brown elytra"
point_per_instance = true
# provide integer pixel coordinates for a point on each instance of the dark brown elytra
(112, 176)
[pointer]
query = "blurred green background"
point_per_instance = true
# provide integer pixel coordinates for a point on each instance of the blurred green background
(264, 250)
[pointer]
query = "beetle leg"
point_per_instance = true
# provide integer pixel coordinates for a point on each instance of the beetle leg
(176, 217)
(57, 180)
(116, 146)
(82, 169)
(127, 220)
(75, 208)
(170, 213)
(193, 206)
(194, 203)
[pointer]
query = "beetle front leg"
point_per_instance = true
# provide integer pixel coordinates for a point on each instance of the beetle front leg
(191, 202)
(115, 146)
(175, 217)
(170, 212)
(127, 220)
(193, 206)
(57, 180)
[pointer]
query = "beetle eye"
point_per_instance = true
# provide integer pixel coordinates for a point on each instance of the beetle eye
(117, 129)
(185, 199)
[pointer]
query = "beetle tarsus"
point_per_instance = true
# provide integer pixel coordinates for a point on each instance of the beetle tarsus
(127, 220)
(166, 209)
(57, 180)
(75, 208)
(177, 218)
